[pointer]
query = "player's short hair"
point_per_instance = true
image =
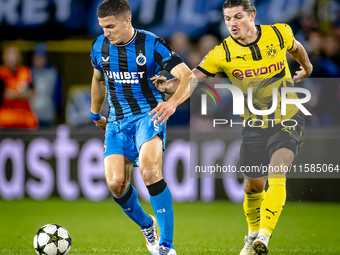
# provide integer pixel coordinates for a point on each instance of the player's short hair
(114, 8)
(247, 5)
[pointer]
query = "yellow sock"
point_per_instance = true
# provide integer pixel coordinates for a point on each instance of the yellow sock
(251, 206)
(273, 203)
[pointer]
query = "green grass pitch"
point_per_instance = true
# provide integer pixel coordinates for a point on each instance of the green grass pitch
(200, 228)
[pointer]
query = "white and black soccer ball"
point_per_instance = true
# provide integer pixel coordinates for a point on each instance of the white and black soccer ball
(52, 239)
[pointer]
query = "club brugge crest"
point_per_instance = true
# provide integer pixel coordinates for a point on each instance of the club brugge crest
(271, 51)
(141, 59)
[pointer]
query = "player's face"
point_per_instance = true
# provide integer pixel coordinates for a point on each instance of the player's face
(238, 21)
(116, 28)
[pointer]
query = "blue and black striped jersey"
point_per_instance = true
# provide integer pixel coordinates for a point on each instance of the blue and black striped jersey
(128, 69)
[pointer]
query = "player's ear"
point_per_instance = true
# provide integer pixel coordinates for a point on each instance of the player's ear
(252, 16)
(128, 21)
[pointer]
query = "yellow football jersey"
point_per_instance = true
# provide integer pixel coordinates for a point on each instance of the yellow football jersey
(261, 65)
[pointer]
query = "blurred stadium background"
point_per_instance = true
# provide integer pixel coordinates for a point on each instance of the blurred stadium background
(62, 158)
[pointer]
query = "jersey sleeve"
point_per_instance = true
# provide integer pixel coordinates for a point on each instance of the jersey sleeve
(164, 56)
(288, 36)
(94, 61)
(210, 64)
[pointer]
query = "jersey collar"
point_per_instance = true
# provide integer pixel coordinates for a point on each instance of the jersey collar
(254, 42)
(130, 41)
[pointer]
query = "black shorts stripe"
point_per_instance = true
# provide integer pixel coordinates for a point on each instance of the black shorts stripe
(279, 36)
(227, 52)
(127, 89)
(107, 70)
(255, 52)
(205, 71)
(144, 83)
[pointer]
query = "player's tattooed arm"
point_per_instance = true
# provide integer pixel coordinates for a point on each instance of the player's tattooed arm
(98, 95)
(299, 53)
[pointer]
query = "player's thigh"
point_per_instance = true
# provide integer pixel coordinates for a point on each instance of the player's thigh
(118, 170)
(283, 151)
(150, 160)
(253, 154)
(280, 160)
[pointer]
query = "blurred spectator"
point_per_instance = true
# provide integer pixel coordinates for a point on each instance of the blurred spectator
(327, 107)
(331, 49)
(325, 12)
(47, 85)
(322, 68)
(205, 44)
(180, 43)
(15, 111)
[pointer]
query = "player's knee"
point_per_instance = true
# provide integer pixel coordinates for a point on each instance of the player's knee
(253, 187)
(117, 186)
(151, 173)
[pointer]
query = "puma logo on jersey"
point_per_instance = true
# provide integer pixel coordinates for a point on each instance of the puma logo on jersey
(271, 211)
(105, 59)
(244, 57)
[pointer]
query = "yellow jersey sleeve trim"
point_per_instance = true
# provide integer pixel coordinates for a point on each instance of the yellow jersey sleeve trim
(205, 71)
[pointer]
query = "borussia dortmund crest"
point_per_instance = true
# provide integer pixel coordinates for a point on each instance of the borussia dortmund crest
(271, 51)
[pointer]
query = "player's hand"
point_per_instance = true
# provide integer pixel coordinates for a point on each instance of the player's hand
(101, 123)
(163, 112)
(301, 75)
(160, 82)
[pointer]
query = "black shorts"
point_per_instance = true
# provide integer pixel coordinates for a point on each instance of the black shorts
(258, 145)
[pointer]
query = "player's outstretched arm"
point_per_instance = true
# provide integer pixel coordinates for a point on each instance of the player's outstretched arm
(98, 95)
(299, 53)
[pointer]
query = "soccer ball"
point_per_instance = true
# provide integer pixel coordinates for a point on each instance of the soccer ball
(52, 239)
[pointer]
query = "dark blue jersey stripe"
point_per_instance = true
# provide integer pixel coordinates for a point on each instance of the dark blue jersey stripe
(111, 85)
(127, 89)
(144, 81)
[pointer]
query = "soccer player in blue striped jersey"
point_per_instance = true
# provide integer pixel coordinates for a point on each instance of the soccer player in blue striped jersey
(124, 60)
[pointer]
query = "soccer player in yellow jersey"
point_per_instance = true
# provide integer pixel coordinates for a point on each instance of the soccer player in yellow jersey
(255, 56)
